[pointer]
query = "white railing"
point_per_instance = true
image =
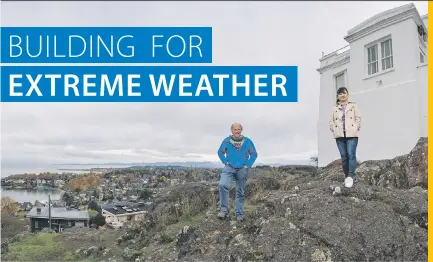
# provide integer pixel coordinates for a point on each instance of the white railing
(336, 52)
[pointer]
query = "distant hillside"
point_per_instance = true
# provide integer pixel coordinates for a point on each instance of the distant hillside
(183, 164)
(188, 164)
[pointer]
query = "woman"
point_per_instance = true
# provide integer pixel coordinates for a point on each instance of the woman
(345, 124)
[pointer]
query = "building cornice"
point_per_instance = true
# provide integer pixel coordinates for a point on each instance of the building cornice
(131, 213)
(58, 217)
(383, 20)
(340, 62)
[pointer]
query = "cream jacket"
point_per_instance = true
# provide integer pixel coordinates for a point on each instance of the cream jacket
(352, 120)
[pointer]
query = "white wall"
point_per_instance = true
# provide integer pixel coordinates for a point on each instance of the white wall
(390, 122)
(406, 56)
(422, 84)
(109, 218)
(425, 20)
(393, 117)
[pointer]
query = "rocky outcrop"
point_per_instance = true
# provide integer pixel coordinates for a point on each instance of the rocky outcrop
(181, 200)
(364, 223)
(298, 217)
(402, 172)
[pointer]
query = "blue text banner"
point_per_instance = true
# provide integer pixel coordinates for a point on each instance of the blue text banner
(106, 44)
(149, 84)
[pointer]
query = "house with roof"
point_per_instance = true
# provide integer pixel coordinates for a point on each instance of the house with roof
(26, 206)
(384, 67)
(122, 212)
(61, 218)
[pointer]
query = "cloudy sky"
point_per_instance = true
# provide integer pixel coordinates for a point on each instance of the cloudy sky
(37, 135)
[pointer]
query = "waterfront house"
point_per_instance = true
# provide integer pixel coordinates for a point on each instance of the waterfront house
(26, 206)
(59, 183)
(39, 204)
(61, 218)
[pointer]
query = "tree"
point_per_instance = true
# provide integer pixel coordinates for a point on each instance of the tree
(83, 182)
(146, 193)
(10, 225)
(68, 199)
(8, 205)
(99, 220)
(315, 160)
(96, 193)
(93, 205)
(108, 196)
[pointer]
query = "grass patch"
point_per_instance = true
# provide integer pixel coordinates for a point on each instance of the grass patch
(38, 247)
(22, 214)
(92, 212)
(168, 237)
(249, 207)
(187, 221)
(171, 231)
(151, 252)
(255, 255)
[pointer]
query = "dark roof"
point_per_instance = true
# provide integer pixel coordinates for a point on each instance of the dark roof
(125, 207)
(25, 205)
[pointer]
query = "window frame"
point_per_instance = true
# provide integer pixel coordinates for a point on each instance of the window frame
(378, 44)
(376, 61)
(390, 56)
(422, 53)
(339, 73)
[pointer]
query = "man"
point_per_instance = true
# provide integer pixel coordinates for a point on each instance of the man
(238, 154)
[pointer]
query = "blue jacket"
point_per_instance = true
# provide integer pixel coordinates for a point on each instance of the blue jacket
(245, 156)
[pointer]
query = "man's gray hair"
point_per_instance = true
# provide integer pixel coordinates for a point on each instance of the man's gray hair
(236, 124)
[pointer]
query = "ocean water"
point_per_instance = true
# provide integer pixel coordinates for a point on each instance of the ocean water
(6, 171)
(23, 195)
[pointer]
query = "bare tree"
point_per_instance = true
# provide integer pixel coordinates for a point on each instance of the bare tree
(315, 160)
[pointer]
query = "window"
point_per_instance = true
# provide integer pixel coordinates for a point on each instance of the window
(372, 60)
(381, 49)
(340, 81)
(421, 56)
(386, 50)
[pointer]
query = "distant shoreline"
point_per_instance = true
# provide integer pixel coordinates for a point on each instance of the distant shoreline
(32, 189)
(74, 169)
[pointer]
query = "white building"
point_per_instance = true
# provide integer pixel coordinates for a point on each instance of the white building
(384, 67)
(122, 212)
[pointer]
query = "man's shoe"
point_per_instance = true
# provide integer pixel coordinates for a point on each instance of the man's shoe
(348, 182)
(222, 215)
(240, 219)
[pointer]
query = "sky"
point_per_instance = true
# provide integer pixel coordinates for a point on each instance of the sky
(35, 136)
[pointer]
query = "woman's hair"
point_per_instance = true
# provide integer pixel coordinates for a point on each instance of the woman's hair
(341, 90)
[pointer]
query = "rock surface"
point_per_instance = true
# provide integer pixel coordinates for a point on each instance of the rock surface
(402, 172)
(303, 217)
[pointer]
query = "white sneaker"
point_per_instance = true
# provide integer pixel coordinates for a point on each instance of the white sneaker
(348, 182)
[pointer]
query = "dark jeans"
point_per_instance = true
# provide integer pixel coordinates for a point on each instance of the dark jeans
(347, 147)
